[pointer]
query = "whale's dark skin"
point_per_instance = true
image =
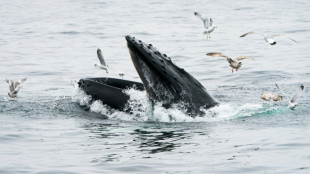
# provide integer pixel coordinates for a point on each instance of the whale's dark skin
(110, 91)
(165, 82)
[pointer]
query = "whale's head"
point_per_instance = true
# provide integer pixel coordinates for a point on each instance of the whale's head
(164, 81)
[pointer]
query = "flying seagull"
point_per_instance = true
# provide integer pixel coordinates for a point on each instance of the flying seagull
(102, 63)
(233, 63)
(269, 39)
(14, 87)
(293, 102)
(208, 24)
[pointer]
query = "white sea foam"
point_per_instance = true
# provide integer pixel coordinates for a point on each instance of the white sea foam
(142, 109)
(80, 96)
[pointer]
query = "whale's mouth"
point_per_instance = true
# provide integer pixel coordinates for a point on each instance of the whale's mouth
(164, 81)
(153, 69)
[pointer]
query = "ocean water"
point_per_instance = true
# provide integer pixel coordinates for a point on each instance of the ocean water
(53, 43)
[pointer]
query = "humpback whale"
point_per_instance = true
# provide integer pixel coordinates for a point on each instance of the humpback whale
(163, 81)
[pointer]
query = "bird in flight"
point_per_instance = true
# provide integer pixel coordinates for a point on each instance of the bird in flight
(233, 63)
(14, 86)
(208, 24)
(269, 39)
(101, 63)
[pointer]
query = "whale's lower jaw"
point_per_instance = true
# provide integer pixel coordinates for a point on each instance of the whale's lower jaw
(164, 81)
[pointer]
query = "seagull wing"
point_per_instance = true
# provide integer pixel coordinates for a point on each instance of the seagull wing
(211, 21)
(22, 80)
(280, 90)
(277, 86)
(249, 33)
(243, 58)
(18, 82)
(100, 57)
(297, 94)
(11, 87)
(199, 16)
(11, 84)
(15, 91)
(205, 21)
(218, 54)
(278, 35)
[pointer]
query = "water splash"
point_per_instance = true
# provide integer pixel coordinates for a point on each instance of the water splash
(143, 110)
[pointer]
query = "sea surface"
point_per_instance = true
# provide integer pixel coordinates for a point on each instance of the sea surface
(47, 130)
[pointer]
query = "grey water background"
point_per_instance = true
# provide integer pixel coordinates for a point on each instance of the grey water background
(54, 42)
